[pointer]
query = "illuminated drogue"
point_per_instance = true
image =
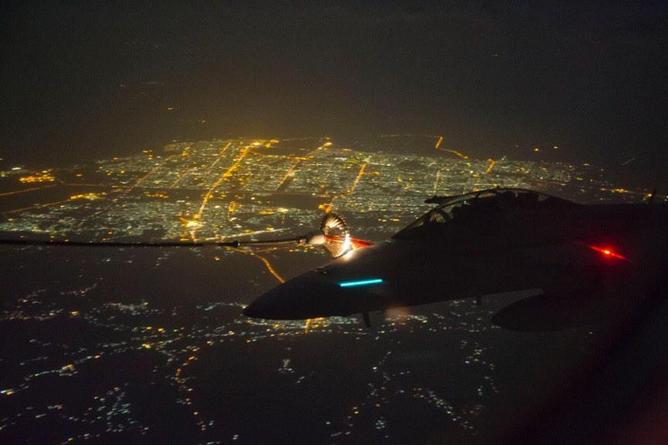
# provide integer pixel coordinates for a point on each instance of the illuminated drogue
(361, 282)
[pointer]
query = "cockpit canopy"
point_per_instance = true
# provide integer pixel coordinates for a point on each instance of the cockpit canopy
(480, 206)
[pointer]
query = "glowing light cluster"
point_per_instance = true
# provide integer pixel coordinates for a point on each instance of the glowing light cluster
(158, 195)
(87, 196)
(44, 176)
(192, 224)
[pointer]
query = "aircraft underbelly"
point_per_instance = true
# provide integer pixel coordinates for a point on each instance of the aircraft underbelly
(558, 268)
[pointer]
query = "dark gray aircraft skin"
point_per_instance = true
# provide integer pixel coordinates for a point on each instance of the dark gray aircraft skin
(589, 263)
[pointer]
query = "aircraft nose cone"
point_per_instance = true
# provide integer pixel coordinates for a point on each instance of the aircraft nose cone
(254, 310)
(307, 296)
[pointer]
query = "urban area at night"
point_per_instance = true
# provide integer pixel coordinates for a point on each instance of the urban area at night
(116, 344)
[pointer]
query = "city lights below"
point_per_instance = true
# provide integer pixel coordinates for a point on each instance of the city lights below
(490, 167)
(192, 224)
(87, 196)
(44, 176)
(222, 190)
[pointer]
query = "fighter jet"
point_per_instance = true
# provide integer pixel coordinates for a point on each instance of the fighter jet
(588, 263)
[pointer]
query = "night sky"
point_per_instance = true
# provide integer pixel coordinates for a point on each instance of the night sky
(84, 80)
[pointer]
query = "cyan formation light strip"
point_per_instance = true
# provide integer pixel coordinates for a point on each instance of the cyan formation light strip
(361, 282)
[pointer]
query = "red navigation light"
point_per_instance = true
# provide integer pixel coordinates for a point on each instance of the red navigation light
(608, 252)
(360, 243)
(355, 242)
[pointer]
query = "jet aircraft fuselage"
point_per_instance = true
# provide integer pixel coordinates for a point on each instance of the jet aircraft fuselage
(584, 258)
